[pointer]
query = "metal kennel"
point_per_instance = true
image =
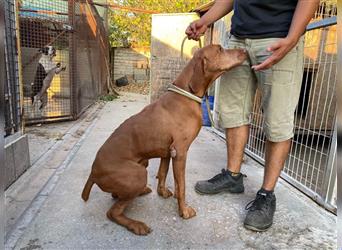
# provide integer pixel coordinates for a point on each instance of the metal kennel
(75, 29)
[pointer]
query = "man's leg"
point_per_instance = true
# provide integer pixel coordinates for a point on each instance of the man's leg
(276, 155)
(235, 103)
(280, 88)
(236, 139)
(261, 211)
(230, 180)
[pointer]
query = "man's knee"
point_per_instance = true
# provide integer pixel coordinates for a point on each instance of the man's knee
(278, 132)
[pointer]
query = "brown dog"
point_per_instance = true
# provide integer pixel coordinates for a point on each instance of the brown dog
(164, 129)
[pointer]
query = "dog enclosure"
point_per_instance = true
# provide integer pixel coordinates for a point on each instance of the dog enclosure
(76, 32)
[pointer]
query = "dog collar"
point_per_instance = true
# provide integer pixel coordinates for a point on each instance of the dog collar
(185, 93)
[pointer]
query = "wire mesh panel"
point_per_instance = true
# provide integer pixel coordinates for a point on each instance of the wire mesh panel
(308, 164)
(12, 96)
(64, 58)
(44, 33)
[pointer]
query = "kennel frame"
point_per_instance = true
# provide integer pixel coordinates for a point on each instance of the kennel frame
(75, 28)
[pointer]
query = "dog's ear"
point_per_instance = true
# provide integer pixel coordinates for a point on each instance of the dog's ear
(198, 80)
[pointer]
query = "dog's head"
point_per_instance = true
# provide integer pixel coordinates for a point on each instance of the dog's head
(217, 59)
(48, 51)
(212, 61)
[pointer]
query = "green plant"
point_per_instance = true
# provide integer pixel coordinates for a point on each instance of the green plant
(108, 98)
(134, 29)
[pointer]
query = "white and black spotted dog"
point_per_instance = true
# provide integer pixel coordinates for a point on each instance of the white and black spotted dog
(45, 73)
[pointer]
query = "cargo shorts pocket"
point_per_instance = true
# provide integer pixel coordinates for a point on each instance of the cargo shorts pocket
(281, 77)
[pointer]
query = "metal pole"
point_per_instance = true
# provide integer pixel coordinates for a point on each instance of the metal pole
(72, 61)
(20, 68)
(339, 127)
(329, 181)
(2, 122)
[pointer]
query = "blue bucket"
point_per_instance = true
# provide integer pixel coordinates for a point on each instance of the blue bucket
(205, 116)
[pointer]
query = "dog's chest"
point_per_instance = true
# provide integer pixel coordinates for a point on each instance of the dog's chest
(47, 63)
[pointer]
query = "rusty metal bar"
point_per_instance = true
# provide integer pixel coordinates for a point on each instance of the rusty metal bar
(126, 8)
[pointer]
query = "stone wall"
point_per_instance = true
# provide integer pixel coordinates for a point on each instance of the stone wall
(131, 62)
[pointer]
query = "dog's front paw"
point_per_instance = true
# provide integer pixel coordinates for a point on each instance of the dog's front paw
(187, 212)
(164, 192)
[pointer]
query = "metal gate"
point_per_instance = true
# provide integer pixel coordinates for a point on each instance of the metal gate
(311, 166)
(64, 54)
(12, 90)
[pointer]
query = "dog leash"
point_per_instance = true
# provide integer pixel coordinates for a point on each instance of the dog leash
(187, 94)
(182, 46)
(208, 110)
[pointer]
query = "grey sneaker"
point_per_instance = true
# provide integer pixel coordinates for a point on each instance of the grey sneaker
(223, 182)
(260, 212)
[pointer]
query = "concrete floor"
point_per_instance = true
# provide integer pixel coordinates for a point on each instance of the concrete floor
(57, 218)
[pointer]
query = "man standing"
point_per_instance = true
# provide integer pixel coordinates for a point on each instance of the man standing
(271, 33)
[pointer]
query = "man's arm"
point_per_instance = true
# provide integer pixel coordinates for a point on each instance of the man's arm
(219, 10)
(304, 12)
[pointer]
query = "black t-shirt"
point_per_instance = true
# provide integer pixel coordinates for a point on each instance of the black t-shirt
(262, 18)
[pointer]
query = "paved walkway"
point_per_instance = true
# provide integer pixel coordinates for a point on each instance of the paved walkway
(59, 219)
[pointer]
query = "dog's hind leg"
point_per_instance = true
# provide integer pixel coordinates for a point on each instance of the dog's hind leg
(146, 190)
(116, 214)
(127, 183)
(44, 101)
(162, 190)
(42, 94)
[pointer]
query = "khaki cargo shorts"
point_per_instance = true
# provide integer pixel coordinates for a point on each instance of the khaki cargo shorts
(279, 86)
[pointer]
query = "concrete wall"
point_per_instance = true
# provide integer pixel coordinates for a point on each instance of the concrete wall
(131, 62)
(17, 158)
(166, 43)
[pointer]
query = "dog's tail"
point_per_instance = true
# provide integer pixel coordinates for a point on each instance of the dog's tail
(86, 189)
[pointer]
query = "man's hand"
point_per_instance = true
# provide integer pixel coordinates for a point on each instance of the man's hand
(304, 12)
(196, 29)
(279, 50)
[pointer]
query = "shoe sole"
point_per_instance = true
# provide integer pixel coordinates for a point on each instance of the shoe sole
(255, 229)
(222, 191)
